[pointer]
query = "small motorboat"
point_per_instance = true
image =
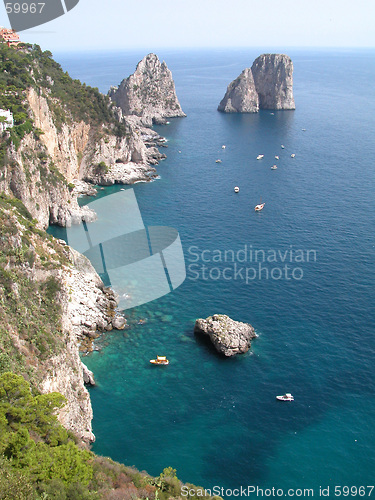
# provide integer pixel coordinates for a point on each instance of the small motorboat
(293, 155)
(160, 360)
(218, 161)
(282, 146)
(277, 157)
(285, 397)
(223, 146)
(236, 189)
(259, 207)
(259, 157)
(274, 167)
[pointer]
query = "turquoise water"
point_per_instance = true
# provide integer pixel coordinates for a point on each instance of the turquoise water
(216, 420)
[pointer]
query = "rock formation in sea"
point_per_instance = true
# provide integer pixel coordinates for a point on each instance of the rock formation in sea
(268, 84)
(241, 95)
(148, 93)
(273, 77)
(228, 336)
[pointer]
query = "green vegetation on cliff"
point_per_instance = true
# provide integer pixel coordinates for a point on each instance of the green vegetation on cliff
(30, 313)
(40, 459)
(28, 66)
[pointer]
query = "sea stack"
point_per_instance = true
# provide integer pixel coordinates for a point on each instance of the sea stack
(228, 336)
(148, 93)
(273, 77)
(241, 95)
(268, 84)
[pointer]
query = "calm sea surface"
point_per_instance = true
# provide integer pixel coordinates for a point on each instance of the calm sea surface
(216, 420)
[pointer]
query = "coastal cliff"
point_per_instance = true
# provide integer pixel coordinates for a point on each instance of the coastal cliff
(51, 300)
(148, 93)
(268, 84)
(59, 140)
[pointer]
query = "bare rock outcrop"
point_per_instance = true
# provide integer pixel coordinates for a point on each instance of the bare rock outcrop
(268, 84)
(48, 163)
(241, 95)
(273, 77)
(228, 336)
(148, 93)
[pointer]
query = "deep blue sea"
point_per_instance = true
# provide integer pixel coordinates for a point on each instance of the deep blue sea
(216, 420)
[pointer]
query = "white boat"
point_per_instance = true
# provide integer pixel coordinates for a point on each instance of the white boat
(292, 155)
(274, 167)
(282, 146)
(285, 397)
(236, 189)
(223, 146)
(259, 207)
(259, 157)
(218, 161)
(277, 157)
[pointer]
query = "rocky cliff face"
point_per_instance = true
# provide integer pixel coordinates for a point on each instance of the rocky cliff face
(273, 77)
(51, 300)
(241, 95)
(87, 309)
(268, 84)
(148, 93)
(43, 169)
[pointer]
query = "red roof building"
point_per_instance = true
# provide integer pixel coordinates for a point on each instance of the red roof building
(9, 36)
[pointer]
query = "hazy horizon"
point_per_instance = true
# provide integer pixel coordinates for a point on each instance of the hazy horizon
(116, 25)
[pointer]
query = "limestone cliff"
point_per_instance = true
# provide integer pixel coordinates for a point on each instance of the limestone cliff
(273, 77)
(51, 299)
(148, 93)
(45, 168)
(268, 84)
(65, 132)
(241, 95)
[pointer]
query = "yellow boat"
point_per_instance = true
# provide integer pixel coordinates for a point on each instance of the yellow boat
(160, 360)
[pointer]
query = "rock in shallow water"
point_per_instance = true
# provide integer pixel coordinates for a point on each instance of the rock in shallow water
(228, 336)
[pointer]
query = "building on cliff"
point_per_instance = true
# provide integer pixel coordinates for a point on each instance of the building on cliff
(9, 36)
(6, 119)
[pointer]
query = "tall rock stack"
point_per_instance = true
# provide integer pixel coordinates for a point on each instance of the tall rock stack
(273, 77)
(241, 95)
(268, 84)
(148, 93)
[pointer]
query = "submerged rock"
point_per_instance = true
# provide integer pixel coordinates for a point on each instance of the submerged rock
(268, 84)
(228, 336)
(148, 93)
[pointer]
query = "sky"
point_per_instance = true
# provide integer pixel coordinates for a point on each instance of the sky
(130, 24)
